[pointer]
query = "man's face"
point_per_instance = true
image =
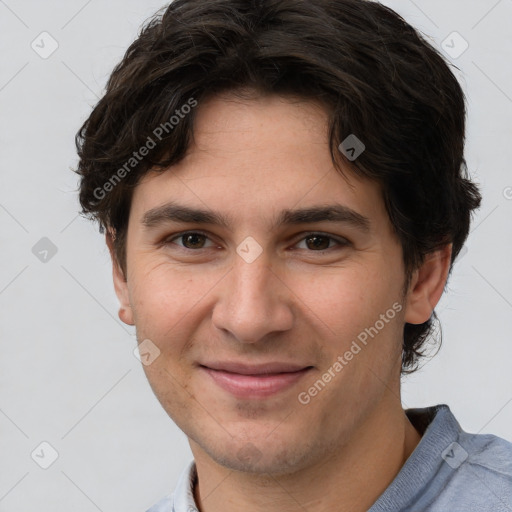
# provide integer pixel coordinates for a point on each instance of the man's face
(210, 299)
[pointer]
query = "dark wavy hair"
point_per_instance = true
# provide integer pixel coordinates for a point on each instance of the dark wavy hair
(377, 77)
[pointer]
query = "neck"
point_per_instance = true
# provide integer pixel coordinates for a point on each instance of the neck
(350, 479)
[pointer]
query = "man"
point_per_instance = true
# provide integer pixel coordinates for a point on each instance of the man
(284, 192)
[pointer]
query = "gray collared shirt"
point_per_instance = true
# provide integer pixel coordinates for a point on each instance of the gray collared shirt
(450, 470)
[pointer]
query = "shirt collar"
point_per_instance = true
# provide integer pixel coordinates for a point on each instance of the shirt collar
(183, 498)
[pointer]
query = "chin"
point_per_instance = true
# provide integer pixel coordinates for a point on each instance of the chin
(261, 458)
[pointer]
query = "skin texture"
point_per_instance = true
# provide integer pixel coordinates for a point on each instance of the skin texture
(249, 160)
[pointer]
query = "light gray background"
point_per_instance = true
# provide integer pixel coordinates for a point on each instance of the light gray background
(68, 375)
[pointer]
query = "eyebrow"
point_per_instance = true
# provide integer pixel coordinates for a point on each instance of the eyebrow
(172, 212)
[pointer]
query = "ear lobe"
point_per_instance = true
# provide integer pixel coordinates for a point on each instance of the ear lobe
(120, 284)
(427, 285)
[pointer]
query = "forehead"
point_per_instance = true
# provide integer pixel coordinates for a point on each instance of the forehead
(258, 156)
(244, 114)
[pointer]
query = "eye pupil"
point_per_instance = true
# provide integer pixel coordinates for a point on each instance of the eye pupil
(192, 238)
(317, 244)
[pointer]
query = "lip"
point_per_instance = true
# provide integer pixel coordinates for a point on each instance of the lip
(255, 381)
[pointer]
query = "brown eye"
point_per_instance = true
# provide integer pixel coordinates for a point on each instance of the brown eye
(193, 240)
(318, 242)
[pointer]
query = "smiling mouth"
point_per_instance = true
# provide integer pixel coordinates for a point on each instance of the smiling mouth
(256, 382)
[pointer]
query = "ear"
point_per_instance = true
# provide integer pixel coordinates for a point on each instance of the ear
(427, 285)
(120, 284)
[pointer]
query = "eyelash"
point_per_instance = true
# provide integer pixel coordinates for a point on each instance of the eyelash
(340, 241)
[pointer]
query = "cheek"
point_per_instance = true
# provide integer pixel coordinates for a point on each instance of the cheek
(165, 297)
(344, 300)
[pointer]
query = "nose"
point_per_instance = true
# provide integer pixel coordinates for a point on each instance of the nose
(253, 302)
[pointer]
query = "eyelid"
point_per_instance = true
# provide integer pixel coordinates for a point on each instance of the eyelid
(170, 239)
(341, 241)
